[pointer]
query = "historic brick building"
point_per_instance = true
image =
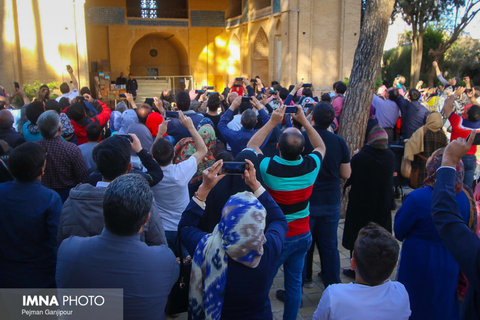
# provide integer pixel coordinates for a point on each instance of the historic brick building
(210, 40)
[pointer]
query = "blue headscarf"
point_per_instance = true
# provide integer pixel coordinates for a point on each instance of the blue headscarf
(239, 236)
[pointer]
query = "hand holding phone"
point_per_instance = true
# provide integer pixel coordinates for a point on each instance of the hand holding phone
(291, 109)
(234, 167)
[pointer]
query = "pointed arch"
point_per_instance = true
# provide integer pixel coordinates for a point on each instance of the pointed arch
(261, 52)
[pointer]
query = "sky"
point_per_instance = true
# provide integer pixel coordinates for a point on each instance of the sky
(399, 27)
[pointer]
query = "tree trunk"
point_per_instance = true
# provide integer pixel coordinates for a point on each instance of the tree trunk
(356, 109)
(417, 52)
(366, 63)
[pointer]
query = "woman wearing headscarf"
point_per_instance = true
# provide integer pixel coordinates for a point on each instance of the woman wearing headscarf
(232, 266)
(420, 146)
(371, 193)
(427, 269)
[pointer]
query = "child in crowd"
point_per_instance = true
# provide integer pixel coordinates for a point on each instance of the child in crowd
(373, 295)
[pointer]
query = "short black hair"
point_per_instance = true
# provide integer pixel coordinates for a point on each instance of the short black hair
(326, 98)
(183, 100)
(52, 105)
(248, 119)
(307, 92)
(473, 113)
(85, 90)
(283, 92)
(323, 115)
(94, 130)
(64, 103)
(291, 144)
(76, 111)
(126, 204)
(274, 83)
(376, 254)
(64, 88)
(162, 151)
(340, 87)
(393, 94)
(26, 161)
(414, 94)
(112, 156)
(213, 102)
(34, 110)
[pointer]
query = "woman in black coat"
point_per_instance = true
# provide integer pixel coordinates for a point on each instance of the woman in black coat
(370, 197)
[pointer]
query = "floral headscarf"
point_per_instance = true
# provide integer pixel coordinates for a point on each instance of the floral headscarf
(185, 148)
(240, 236)
(434, 162)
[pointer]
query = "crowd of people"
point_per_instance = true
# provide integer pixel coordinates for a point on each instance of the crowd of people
(237, 185)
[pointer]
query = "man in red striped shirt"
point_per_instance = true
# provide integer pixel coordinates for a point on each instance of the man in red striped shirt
(289, 179)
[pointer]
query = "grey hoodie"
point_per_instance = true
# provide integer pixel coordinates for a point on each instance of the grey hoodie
(82, 215)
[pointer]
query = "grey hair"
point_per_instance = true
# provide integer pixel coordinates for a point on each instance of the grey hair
(121, 107)
(126, 204)
(48, 124)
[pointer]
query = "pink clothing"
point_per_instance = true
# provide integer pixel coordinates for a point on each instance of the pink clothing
(337, 104)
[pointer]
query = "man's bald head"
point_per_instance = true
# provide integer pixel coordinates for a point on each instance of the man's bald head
(143, 111)
(6, 119)
(291, 144)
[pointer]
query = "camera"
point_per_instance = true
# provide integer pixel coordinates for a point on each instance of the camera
(199, 91)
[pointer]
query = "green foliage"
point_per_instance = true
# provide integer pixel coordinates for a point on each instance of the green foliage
(421, 12)
(463, 59)
(398, 60)
(31, 90)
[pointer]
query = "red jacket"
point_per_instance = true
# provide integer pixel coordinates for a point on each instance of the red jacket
(459, 132)
(80, 129)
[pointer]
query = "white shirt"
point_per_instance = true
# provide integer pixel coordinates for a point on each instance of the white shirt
(348, 301)
(69, 95)
(171, 194)
(235, 124)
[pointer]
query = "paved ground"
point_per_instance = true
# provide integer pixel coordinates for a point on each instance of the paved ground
(311, 296)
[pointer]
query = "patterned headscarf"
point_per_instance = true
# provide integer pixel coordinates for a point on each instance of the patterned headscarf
(240, 236)
(434, 162)
(185, 148)
(377, 138)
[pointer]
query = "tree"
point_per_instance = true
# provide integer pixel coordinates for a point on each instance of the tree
(457, 22)
(419, 13)
(366, 63)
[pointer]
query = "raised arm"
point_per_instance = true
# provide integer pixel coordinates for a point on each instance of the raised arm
(289, 98)
(72, 76)
(439, 73)
(315, 139)
(259, 137)
(187, 227)
(197, 139)
(453, 231)
(154, 172)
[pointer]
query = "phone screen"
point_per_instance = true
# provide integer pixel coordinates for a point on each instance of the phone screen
(291, 109)
(233, 168)
(126, 136)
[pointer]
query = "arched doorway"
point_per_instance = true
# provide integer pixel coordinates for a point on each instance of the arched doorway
(260, 56)
(158, 54)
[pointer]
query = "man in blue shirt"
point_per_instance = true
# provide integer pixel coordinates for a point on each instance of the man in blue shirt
(117, 258)
(28, 222)
(237, 140)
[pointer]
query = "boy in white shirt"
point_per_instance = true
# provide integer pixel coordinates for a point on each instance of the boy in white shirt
(372, 296)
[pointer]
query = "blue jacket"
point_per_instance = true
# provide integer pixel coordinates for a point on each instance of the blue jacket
(238, 139)
(29, 215)
(146, 274)
(247, 289)
(463, 244)
(177, 130)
